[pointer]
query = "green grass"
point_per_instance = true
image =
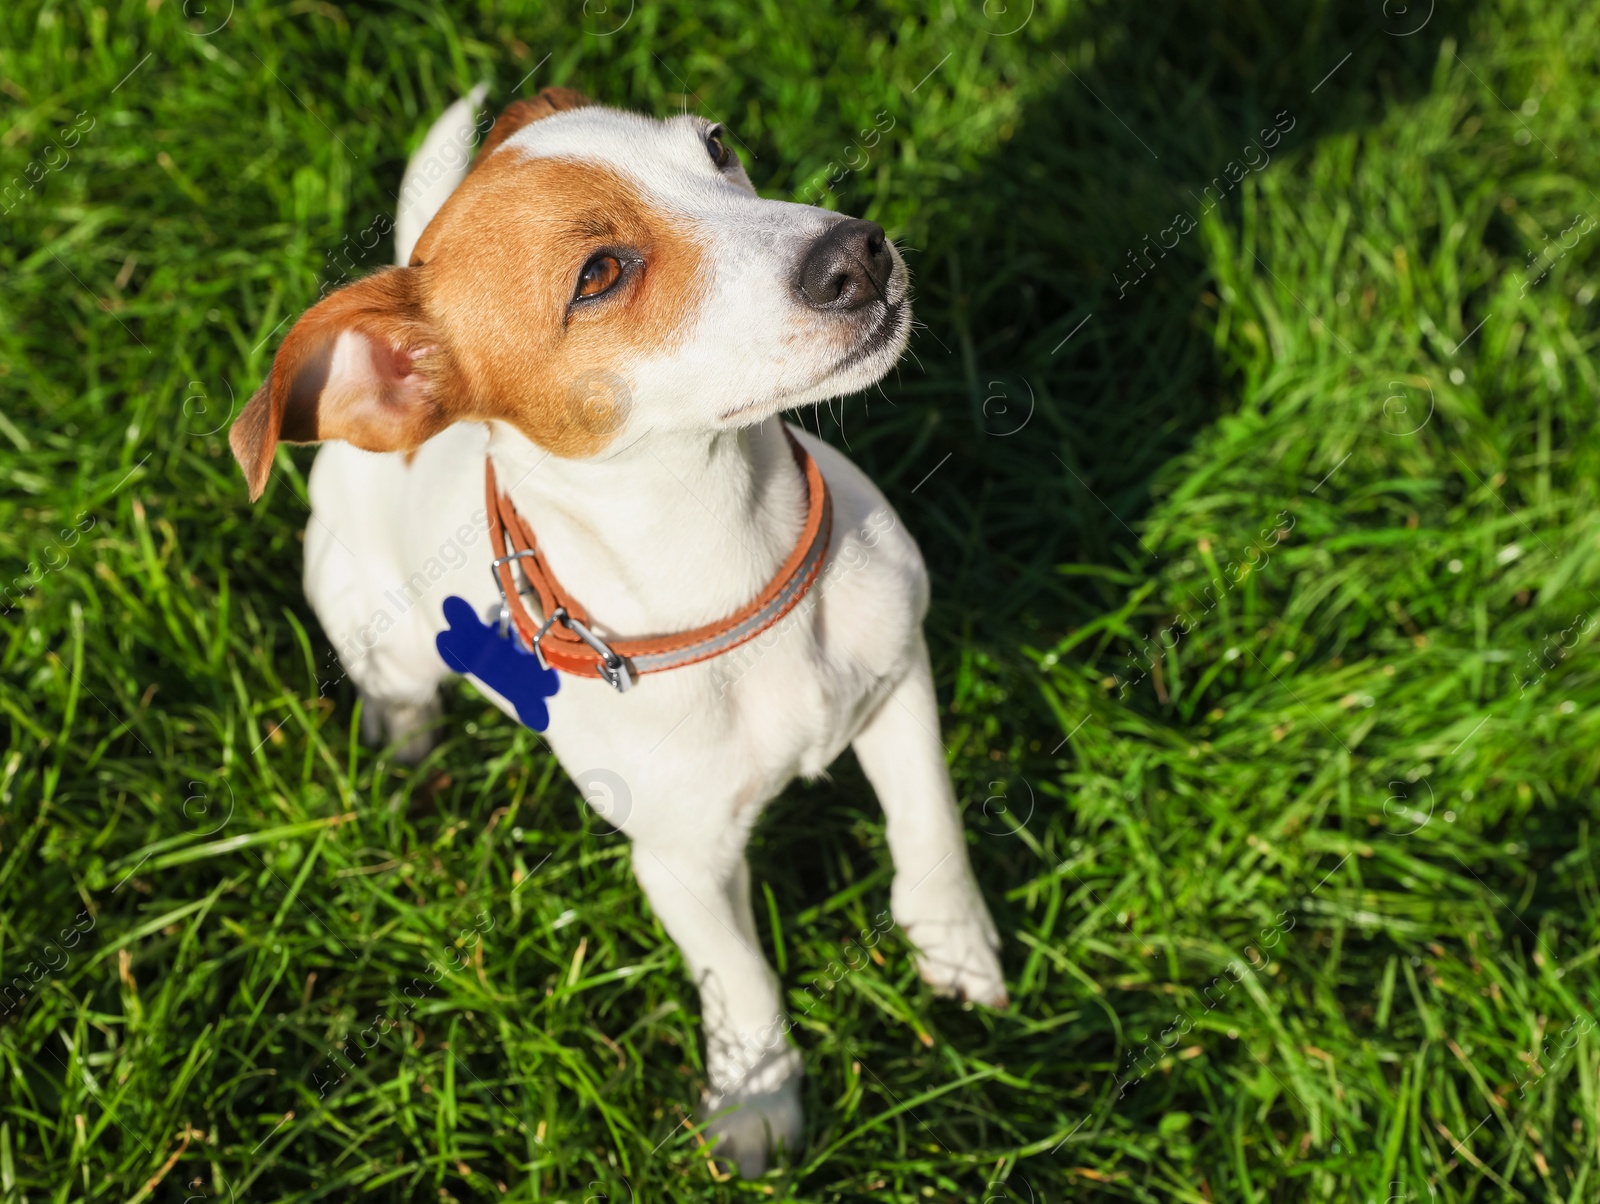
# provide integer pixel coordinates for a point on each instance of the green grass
(1298, 876)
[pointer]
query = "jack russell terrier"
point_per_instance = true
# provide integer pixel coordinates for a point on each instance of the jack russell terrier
(585, 349)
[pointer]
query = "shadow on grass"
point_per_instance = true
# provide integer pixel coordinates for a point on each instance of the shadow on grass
(1057, 394)
(1067, 360)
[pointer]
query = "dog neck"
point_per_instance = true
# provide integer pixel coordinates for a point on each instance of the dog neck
(664, 532)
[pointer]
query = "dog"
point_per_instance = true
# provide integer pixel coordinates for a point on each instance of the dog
(599, 316)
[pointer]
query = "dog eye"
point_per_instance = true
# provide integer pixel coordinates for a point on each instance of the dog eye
(717, 148)
(599, 275)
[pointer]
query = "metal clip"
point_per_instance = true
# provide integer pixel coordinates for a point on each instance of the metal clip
(505, 606)
(560, 615)
(612, 668)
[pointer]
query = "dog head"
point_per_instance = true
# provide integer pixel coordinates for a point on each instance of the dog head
(597, 274)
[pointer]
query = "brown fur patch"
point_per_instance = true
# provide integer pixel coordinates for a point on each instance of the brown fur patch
(502, 260)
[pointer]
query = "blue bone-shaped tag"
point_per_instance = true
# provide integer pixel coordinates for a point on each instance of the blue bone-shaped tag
(498, 661)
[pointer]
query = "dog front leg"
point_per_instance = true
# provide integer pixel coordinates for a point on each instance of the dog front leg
(753, 1099)
(935, 896)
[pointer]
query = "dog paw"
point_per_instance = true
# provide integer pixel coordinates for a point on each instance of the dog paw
(750, 1127)
(957, 946)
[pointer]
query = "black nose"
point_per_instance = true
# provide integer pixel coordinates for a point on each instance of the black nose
(847, 267)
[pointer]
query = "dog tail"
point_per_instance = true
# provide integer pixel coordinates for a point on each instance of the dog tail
(436, 169)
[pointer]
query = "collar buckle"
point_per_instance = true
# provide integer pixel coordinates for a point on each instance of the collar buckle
(613, 668)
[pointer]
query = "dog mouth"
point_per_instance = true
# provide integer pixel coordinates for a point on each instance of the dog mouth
(879, 339)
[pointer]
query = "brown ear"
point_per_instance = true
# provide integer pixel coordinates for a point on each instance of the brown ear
(521, 112)
(362, 365)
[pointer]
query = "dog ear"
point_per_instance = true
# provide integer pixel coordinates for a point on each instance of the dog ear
(362, 365)
(523, 112)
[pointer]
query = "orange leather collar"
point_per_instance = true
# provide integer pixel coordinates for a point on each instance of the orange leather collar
(566, 642)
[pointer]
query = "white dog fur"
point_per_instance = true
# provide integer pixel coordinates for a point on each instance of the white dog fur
(681, 504)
